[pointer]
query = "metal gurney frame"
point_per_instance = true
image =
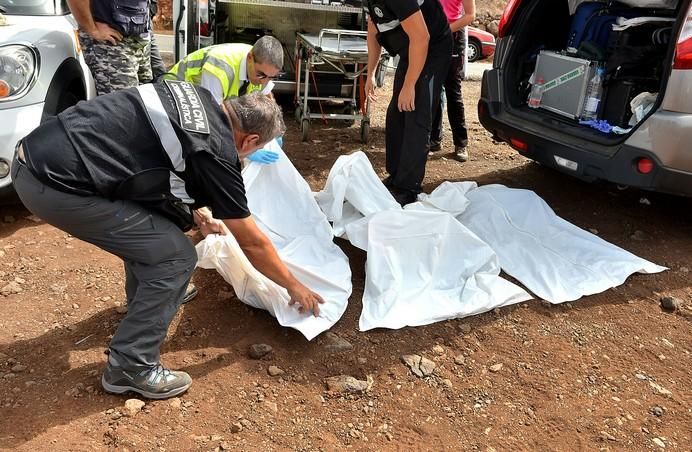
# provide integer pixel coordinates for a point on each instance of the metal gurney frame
(338, 49)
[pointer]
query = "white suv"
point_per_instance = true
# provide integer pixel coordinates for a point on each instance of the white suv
(42, 70)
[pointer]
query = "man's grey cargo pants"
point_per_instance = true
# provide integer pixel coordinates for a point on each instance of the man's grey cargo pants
(159, 258)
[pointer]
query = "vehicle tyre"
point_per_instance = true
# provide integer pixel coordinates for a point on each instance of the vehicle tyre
(364, 131)
(305, 129)
(66, 100)
(474, 52)
(349, 110)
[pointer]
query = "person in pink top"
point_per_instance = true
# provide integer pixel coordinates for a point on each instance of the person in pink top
(460, 13)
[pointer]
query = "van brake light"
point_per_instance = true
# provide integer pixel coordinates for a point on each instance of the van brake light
(683, 48)
(507, 16)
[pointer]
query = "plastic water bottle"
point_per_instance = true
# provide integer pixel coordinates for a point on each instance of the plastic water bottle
(594, 92)
(536, 94)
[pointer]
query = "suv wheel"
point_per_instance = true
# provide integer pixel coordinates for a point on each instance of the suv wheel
(66, 100)
(473, 51)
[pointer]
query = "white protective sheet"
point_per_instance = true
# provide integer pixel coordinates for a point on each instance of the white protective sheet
(553, 258)
(422, 266)
(283, 206)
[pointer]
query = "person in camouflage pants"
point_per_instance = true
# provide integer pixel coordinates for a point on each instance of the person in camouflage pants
(117, 66)
(116, 39)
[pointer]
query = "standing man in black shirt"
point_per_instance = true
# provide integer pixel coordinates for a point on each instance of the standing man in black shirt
(417, 31)
(125, 172)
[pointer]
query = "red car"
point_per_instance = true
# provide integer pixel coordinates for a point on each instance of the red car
(481, 44)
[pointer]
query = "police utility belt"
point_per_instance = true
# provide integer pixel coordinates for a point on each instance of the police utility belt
(131, 16)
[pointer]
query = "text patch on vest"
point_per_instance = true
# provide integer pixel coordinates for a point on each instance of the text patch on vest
(193, 116)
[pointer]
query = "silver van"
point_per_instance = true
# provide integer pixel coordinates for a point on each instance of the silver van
(42, 70)
(642, 135)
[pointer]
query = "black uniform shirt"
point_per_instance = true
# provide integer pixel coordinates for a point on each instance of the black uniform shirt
(161, 142)
(387, 16)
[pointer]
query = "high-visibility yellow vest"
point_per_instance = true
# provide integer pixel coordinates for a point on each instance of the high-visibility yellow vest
(222, 61)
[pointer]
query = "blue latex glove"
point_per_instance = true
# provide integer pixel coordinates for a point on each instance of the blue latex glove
(600, 125)
(263, 156)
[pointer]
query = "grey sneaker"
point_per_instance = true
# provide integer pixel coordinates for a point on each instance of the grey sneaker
(190, 293)
(151, 382)
(460, 153)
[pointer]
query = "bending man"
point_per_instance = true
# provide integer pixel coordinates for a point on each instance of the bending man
(232, 70)
(169, 148)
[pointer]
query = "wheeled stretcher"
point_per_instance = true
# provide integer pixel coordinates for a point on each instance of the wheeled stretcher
(339, 52)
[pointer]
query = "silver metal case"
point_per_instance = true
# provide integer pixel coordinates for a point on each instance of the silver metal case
(566, 80)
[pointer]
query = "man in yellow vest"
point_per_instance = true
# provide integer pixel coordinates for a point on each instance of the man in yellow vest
(232, 70)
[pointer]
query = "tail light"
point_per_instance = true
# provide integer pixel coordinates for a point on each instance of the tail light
(507, 16)
(645, 165)
(518, 144)
(683, 49)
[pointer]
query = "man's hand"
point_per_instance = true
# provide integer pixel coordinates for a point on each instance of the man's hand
(208, 224)
(407, 98)
(306, 298)
(104, 32)
(370, 85)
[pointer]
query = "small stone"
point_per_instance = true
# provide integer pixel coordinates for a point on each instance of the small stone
(19, 280)
(347, 384)
(121, 309)
(246, 423)
(236, 427)
(465, 328)
(275, 371)
(659, 442)
(271, 406)
(660, 389)
(639, 376)
(75, 306)
(656, 411)
(639, 236)
(495, 367)
(176, 403)
(11, 288)
(225, 294)
(362, 360)
(420, 366)
(438, 350)
(459, 360)
(667, 343)
(132, 407)
(670, 303)
(644, 201)
(334, 344)
(447, 382)
(593, 231)
(257, 351)
(18, 368)
(608, 436)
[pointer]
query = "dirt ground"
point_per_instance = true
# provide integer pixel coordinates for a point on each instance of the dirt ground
(609, 372)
